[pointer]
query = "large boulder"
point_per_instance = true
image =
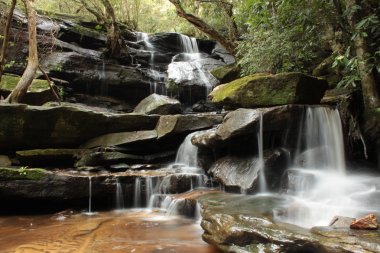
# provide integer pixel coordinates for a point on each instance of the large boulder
(158, 104)
(261, 90)
(246, 121)
(170, 125)
(28, 127)
(242, 173)
(190, 73)
(91, 75)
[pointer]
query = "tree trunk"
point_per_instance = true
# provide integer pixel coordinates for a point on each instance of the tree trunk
(6, 37)
(368, 81)
(204, 27)
(30, 71)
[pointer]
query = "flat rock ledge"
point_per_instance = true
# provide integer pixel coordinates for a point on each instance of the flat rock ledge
(238, 223)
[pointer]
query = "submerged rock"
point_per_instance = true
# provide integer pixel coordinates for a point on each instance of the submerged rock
(158, 104)
(368, 222)
(260, 90)
(236, 223)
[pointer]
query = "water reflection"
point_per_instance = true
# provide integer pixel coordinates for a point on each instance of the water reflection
(123, 231)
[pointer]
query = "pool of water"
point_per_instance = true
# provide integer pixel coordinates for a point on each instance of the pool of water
(115, 231)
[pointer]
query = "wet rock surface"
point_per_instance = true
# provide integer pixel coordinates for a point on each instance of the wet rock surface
(236, 223)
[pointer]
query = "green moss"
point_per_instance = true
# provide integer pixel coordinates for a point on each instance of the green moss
(9, 82)
(22, 173)
(226, 72)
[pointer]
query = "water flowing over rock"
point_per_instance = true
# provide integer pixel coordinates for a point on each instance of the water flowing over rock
(242, 174)
(236, 223)
(260, 90)
(158, 104)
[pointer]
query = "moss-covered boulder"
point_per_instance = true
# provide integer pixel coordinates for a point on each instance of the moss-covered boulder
(226, 73)
(261, 90)
(22, 173)
(38, 93)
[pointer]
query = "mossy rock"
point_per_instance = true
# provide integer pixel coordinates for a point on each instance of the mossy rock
(9, 82)
(38, 93)
(263, 90)
(22, 173)
(226, 73)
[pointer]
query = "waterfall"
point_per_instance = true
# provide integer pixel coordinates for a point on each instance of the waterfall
(187, 153)
(323, 145)
(119, 195)
(143, 192)
(261, 163)
(317, 185)
(89, 194)
(188, 45)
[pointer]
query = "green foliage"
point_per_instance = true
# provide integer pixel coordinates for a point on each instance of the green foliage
(281, 35)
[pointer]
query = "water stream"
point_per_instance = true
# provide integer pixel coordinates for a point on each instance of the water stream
(317, 185)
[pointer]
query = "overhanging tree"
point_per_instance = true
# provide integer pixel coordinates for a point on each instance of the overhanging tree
(229, 41)
(32, 66)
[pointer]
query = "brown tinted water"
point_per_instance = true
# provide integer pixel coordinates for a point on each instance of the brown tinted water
(135, 231)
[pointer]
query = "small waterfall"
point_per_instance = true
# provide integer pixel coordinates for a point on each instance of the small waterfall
(89, 194)
(189, 45)
(119, 195)
(323, 145)
(187, 153)
(143, 192)
(103, 81)
(137, 193)
(261, 163)
(317, 185)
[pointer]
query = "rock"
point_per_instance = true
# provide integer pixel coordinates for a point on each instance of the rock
(170, 125)
(41, 189)
(192, 77)
(29, 127)
(158, 104)
(5, 161)
(181, 182)
(226, 74)
(108, 158)
(341, 222)
(245, 121)
(111, 104)
(220, 52)
(205, 106)
(120, 139)
(38, 93)
(89, 74)
(237, 223)
(261, 90)
(368, 222)
(242, 173)
(47, 157)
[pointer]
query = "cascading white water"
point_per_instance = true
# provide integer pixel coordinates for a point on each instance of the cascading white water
(137, 193)
(317, 186)
(89, 194)
(119, 195)
(187, 153)
(144, 190)
(261, 164)
(189, 45)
